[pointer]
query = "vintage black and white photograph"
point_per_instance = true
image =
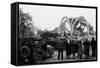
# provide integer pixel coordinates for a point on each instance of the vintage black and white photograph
(50, 34)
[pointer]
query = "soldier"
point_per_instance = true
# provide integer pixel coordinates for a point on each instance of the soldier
(94, 47)
(68, 48)
(60, 48)
(86, 44)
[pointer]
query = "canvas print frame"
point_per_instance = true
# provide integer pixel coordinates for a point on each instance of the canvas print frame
(16, 58)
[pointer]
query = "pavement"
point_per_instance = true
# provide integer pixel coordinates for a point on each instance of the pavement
(55, 55)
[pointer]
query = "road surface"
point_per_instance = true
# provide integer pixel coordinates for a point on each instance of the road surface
(55, 55)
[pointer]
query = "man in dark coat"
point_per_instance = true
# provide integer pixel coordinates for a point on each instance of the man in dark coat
(76, 47)
(94, 47)
(86, 44)
(80, 50)
(68, 48)
(60, 46)
(73, 48)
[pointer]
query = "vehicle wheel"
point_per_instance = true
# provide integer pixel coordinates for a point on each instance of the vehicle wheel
(52, 52)
(37, 58)
(25, 51)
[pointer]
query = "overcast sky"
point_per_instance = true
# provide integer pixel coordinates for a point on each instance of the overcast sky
(48, 17)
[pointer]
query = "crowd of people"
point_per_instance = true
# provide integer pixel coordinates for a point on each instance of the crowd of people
(77, 47)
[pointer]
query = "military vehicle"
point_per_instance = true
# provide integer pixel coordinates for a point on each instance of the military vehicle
(34, 49)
